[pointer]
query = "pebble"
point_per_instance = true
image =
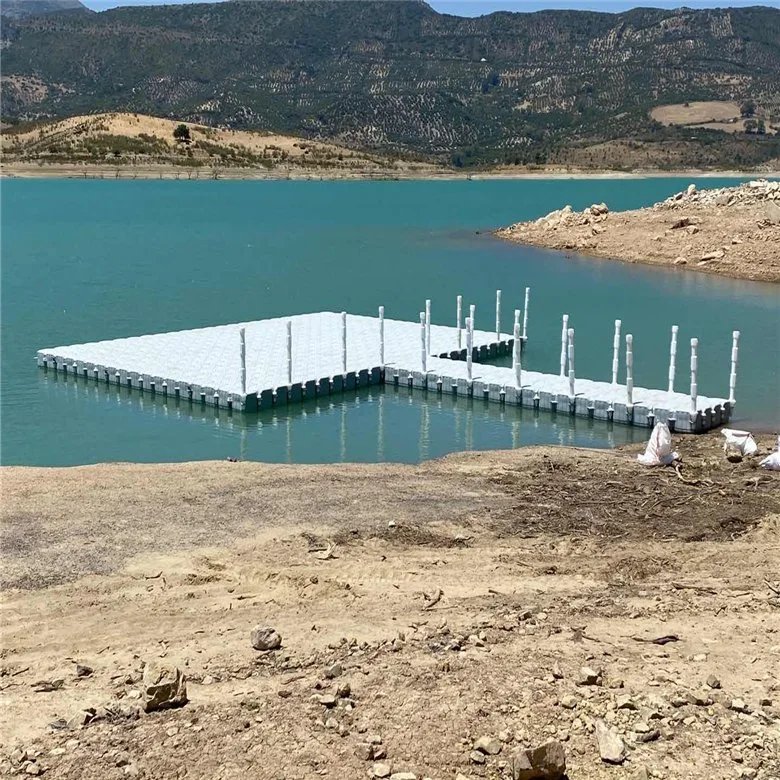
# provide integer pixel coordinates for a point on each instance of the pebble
(477, 757)
(403, 776)
(265, 638)
(326, 699)
(381, 770)
(713, 681)
(569, 702)
(738, 705)
(336, 670)
(589, 676)
(611, 747)
(489, 745)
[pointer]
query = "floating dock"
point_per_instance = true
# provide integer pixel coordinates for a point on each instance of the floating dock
(258, 365)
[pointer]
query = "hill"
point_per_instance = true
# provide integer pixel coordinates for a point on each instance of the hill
(19, 8)
(118, 140)
(555, 87)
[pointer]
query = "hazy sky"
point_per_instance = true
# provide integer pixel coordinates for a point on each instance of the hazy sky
(477, 7)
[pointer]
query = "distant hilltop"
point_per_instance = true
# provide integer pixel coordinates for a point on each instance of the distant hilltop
(644, 88)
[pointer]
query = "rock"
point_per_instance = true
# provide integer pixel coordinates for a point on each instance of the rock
(738, 705)
(381, 770)
(364, 751)
(81, 719)
(681, 223)
(648, 736)
(640, 773)
(733, 455)
(557, 672)
(716, 255)
(691, 190)
(680, 261)
(334, 671)
(403, 776)
(489, 745)
(207, 680)
(32, 769)
(700, 698)
(265, 638)
(83, 671)
(343, 690)
(712, 680)
(545, 762)
(163, 687)
(326, 699)
(625, 702)
(589, 676)
(599, 208)
(569, 702)
(477, 757)
(611, 747)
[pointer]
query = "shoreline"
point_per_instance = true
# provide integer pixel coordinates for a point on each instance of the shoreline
(177, 173)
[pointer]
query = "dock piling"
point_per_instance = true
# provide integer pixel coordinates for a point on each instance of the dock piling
(571, 362)
(381, 336)
(344, 342)
(525, 313)
(469, 345)
(694, 373)
(423, 340)
(242, 337)
(629, 369)
(428, 325)
(289, 352)
(673, 358)
(616, 352)
(498, 316)
(516, 365)
(733, 374)
(564, 341)
(458, 317)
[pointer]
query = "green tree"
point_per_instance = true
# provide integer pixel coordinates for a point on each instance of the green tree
(748, 108)
(182, 134)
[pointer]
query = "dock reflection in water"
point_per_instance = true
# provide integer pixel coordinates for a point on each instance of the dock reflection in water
(375, 424)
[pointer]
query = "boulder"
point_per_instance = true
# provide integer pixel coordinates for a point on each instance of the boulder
(545, 762)
(265, 638)
(611, 747)
(163, 687)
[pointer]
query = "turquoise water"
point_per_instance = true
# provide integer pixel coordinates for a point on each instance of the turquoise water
(91, 260)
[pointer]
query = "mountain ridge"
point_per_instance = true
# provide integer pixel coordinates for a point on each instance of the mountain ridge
(503, 88)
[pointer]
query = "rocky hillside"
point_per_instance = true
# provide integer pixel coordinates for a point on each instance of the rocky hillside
(15, 9)
(547, 87)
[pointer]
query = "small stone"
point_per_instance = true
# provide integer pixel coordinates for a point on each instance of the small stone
(699, 657)
(557, 672)
(625, 702)
(641, 727)
(336, 670)
(381, 770)
(344, 690)
(374, 739)
(489, 745)
(545, 762)
(569, 702)
(364, 751)
(83, 671)
(738, 705)
(163, 687)
(680, 260)
(691, 190)
(284, 693)
(736, 755)
(477, 757)
(326, 699)
(32, 769)
(765, 702)
(265, 638)
(713, 681)
(640, 773)
(748, 773)
(505, 736)
(611, 747)
(648, 736)
(700, 699)
(589, 676)
(80, 719)
(403, 776)
(207, 680)
(133, 693)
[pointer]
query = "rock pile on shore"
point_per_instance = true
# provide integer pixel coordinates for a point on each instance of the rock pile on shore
(731, 231)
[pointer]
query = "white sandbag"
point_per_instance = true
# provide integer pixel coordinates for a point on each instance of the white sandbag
(742, 439)
(772, 462)
(659, 448)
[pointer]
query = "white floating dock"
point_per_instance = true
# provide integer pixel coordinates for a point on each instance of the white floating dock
(252, 366)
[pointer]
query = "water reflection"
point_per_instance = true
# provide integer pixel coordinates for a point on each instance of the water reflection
(375, 424)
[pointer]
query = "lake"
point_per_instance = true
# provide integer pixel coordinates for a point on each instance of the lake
(86, 260)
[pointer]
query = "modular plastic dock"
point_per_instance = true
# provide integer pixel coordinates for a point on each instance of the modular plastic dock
(257, 365)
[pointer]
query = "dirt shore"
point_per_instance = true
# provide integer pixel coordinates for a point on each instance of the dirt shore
(35, 170)
(458, 599)
(733, 231)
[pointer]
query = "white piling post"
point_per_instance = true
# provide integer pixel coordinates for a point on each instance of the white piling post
(423, 345)
(516, 351)
(458, 316)
(694, 372)
(571, 362)
(289, 352)
(616, 352)
(564, 341)
(525, 313)
(469, 344)
(733, 374)
(498, 315)
(428, 325)
(382, 336)
(472, 313)
(344, 342)
(517, 318)
(242, 335)
(629, 369)
(673, 358)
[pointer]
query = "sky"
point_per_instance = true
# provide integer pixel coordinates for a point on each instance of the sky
(479, 7)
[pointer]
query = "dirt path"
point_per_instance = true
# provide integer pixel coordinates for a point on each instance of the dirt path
(461, 599)
(733, 231)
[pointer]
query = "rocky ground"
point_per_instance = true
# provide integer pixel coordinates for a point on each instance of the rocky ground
(489, 615)
(731, 231)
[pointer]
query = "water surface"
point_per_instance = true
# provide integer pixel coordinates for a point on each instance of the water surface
(91, 260)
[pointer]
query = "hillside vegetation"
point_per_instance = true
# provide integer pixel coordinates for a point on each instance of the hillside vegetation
(120, 139)
(541, 88)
